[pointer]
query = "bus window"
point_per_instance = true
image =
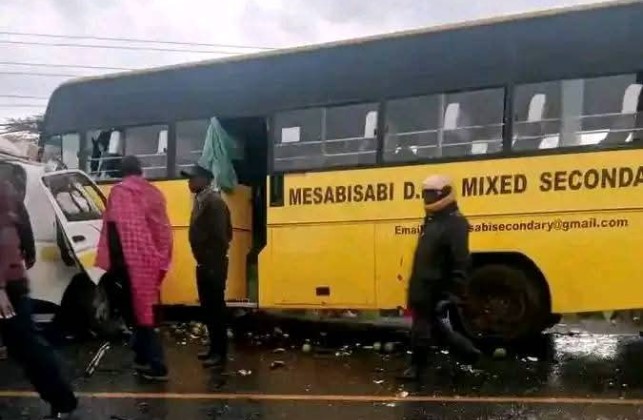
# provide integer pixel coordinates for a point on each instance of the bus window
(471, 119)
(63, 149)
(297, 139)
(579, 112)
(325, 137)
(70, 150)
(149, 144)
(190, 136)
(536, 110)
(412, 129)
(53, 150)
(447, 125)
(349, 135)
(105, 151)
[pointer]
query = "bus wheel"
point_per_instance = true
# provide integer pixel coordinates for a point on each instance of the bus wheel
(504, 304)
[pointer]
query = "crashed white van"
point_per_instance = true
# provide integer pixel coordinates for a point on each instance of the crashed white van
(65, 208)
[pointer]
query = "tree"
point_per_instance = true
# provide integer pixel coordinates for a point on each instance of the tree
(26, 129)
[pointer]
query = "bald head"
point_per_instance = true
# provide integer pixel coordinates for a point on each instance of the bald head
(131, 166)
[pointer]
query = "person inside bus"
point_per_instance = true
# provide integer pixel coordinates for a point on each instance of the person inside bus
(210, 235)
(135, 249)
(20, 335)
(438, 274)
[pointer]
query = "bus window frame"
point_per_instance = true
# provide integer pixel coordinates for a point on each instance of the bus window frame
(565, 149)
(506, 152)
(171, 146)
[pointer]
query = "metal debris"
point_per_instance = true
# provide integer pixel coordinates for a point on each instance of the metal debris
(277, 364)
(279, 350)
(244, 372)
(379, 382)
(499, 353)
(402, 394)
(93, 364)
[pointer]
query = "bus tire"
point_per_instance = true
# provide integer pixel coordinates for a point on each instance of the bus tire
(505, 303)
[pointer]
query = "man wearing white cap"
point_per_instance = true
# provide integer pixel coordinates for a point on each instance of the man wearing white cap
(439, 271)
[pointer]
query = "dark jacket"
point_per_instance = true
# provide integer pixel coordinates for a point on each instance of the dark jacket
(25, 232)
(441, 260)
(210, 228)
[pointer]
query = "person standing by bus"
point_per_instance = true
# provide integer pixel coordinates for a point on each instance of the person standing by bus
(23, 342)
(210, 236)
(135, 247)
(439, 272)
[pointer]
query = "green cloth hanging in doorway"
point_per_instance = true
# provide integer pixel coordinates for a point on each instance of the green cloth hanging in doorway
(219, 149)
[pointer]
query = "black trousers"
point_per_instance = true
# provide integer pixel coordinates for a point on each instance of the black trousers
(145, 342)
(431, 324)
(211, 284)
(424, 328)
(37, 358)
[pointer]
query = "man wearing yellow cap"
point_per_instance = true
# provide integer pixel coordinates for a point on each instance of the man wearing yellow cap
(439, 271)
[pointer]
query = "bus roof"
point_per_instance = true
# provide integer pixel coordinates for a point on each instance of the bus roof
(602, 38)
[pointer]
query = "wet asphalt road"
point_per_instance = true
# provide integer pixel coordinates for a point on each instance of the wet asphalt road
(562, 376)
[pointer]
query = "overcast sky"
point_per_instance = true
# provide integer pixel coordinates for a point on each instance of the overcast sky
(257, 23)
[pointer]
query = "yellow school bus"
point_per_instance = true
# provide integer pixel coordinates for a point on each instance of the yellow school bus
(536, 117)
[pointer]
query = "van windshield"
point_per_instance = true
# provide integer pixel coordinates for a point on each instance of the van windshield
(77, 196)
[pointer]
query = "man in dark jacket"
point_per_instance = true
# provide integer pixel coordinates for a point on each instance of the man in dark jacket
(439, 271)
(210, 235)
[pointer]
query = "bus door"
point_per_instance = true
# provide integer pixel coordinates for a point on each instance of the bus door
(78, 205)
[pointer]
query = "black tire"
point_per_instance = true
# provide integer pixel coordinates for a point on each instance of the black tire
(505, 304)
(85, 309)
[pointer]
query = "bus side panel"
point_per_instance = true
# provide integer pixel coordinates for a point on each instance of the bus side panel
(179, 287)
(395, 243)
(330, 265)
(576, 216)
(590, 259)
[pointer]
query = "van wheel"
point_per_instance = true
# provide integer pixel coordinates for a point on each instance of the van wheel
(85, 309)
(505, 304)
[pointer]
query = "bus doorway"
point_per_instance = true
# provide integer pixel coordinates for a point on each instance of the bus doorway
(252, 134)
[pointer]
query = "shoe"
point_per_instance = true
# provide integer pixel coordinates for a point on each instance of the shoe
(216, 362)
(154, 375)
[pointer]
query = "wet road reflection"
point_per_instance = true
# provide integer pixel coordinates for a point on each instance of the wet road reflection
(603, 373)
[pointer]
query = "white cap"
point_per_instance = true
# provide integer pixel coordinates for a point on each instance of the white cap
(436, 182)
